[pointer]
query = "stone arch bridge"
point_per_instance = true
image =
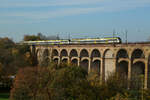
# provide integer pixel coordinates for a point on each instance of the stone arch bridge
(131, 59)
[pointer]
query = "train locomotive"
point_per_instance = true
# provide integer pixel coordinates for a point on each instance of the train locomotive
(106, 40)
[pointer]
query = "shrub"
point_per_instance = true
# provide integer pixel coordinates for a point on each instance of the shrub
(68, 82)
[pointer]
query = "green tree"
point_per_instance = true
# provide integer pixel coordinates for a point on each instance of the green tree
(74, 85)
(6, 46)
(31, 38)
(56, 82)
(12, 57)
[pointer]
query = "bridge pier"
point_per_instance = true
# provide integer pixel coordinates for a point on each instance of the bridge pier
(89, 66)
(129, 72)
(102, 70)
(146, 74)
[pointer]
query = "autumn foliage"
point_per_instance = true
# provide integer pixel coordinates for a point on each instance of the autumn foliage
(31, 82)
(52, 83)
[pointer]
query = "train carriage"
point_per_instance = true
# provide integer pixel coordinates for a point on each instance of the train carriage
(76, 41)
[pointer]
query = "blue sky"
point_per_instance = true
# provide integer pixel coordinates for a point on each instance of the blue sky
(79, 18)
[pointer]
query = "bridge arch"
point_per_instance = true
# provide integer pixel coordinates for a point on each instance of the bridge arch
(95, 53)
(45, 57)
(122, 68)
(137, 53)
(137, 74)
(74, 62)
(55, 52)
(37, 56)
(73, 53)
(108, 53)
(138, 68)
(65, 60)
(109, 63)
(63, 53)
(122, 62)
(56, 60)
(84, 53)
(84, 64)
(46, 53)
(95, 66)
(122, 53)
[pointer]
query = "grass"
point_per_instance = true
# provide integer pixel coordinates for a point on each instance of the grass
(4, 96)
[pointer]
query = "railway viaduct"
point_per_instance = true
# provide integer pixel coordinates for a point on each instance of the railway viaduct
(131, 59)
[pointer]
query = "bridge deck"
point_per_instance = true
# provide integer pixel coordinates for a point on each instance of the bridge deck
(102, 45)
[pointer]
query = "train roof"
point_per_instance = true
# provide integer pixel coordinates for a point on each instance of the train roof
(74, 39)
(95, 38)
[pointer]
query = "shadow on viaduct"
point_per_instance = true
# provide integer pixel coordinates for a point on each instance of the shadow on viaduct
(131, 59)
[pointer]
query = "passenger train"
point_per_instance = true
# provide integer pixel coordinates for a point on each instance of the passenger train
(76, 41)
